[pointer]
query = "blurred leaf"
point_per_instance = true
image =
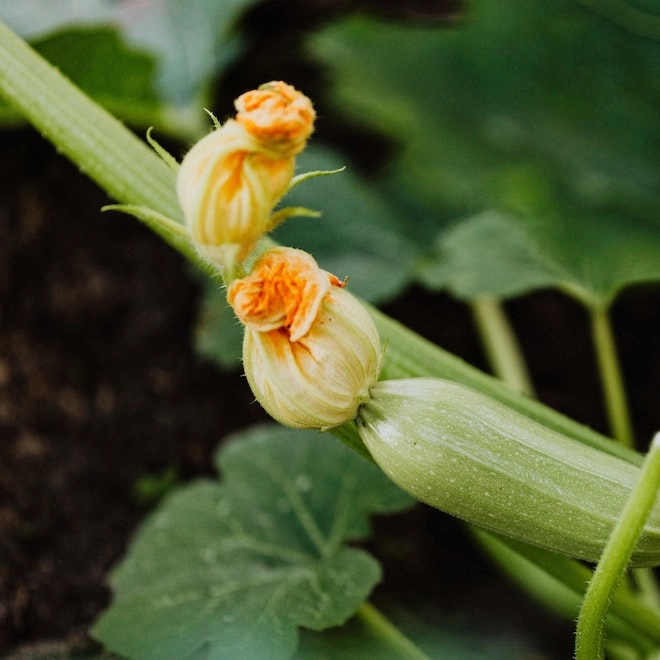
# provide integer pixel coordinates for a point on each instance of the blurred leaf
(34, 17)
(231, 568)
(358, 235)
(505, 255)
(218, 333)
(537, 108)
(98, 62)
(191, 40)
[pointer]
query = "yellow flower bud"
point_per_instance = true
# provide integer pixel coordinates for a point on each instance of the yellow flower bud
(311, 351)
(227, 188)
(278, 115)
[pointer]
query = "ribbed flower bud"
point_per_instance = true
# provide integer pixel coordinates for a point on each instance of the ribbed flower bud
(227, 188)
(278, 115)
(311, 352)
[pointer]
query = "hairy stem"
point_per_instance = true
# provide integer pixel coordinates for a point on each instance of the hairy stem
(617, 553)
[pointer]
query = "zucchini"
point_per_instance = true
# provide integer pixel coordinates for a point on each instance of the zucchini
(473, 457)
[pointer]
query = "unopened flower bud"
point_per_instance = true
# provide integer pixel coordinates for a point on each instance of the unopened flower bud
(311, 352)
(278, 115)
(227, 188)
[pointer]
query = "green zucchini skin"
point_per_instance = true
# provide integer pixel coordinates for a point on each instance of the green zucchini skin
(473, 457)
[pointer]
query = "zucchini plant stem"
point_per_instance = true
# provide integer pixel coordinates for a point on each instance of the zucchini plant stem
(507, 362)
(385, 630)
(612, 564)
(99, 144)
(611, 376)
(618, 412)
(500, 344)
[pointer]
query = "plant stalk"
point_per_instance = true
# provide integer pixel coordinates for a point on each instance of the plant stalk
(104, 149)
(385, 630)
(615, 557)
(500, 344)
(611, 376)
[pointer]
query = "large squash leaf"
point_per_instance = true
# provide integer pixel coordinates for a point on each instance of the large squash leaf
(504, 255)
(541, 112)
(232, 568)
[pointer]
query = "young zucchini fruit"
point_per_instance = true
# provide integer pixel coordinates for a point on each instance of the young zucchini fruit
(473, 457)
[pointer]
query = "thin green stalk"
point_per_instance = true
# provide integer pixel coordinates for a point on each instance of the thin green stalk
(500, 344)
(611, 376)
(619, 417)
(558, 583)
(385, 630)
(615, 557)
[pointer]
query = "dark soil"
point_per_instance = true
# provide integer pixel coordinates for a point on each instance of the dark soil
(100, 387)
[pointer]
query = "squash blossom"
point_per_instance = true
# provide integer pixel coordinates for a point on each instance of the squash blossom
(230, 181)
(278, 115)
(311, 352)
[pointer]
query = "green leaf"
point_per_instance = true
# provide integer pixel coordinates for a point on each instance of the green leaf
(191, 39)
(358, 236)
(490, 117)
(218, 333)
(504, 254)
(231, 569)
(83, 55)
(126, 87)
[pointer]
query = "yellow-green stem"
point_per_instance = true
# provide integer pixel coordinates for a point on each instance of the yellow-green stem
(500, 344)
(611, 377)
(128, 169)
(615, 557)
(385, 630)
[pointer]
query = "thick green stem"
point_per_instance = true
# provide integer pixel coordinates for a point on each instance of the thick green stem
(611, 376)
(128, 170)
(500, 344)
(385, 630)
(615, 557)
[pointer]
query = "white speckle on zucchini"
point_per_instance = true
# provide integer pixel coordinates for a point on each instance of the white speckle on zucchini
(473, 457)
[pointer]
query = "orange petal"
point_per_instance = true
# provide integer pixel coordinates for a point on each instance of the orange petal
(284, 290)
(278, 115)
